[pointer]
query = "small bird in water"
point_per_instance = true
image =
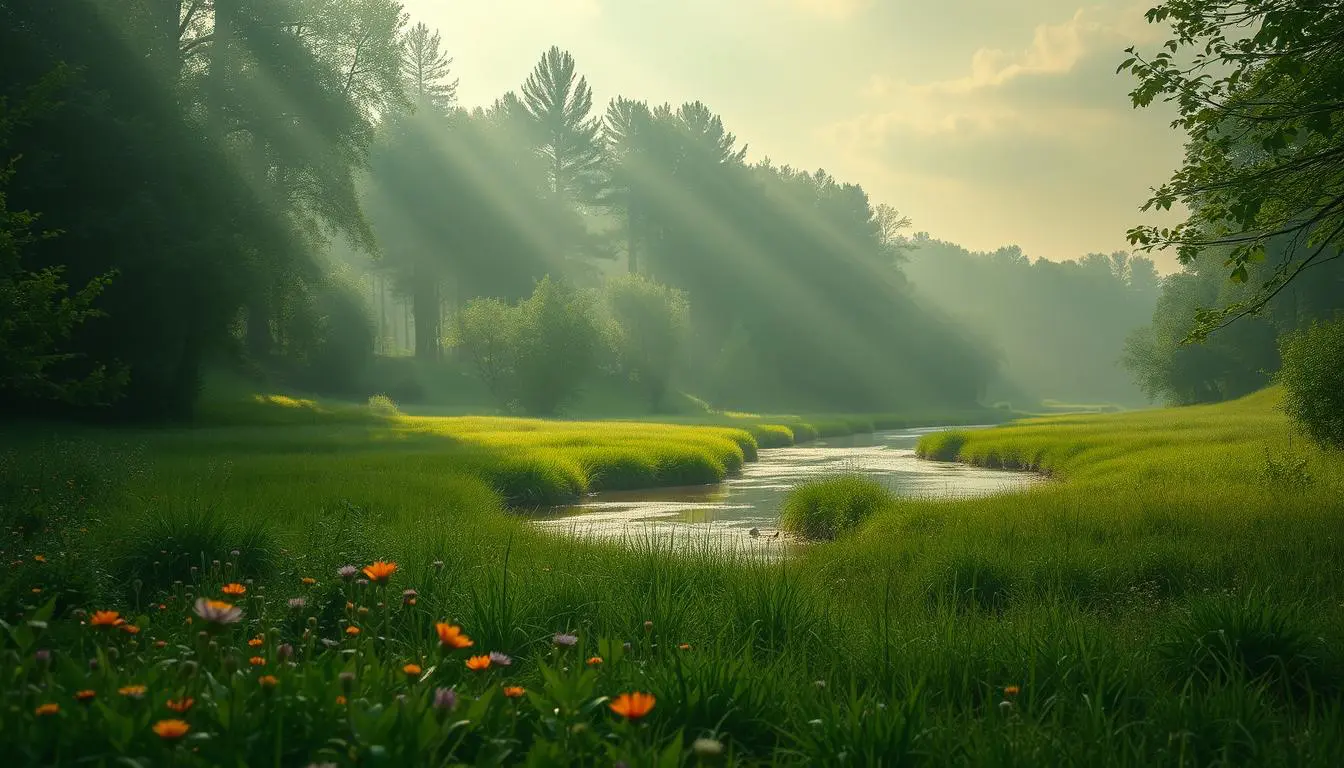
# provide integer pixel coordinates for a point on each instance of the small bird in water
(754, 532)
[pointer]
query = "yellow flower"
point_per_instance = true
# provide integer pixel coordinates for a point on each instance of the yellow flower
(379, 572)
(171, 730)
(633, 706)
(106, 619)
(451, 636)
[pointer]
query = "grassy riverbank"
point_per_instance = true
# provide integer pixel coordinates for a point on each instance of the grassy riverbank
(1162, 604)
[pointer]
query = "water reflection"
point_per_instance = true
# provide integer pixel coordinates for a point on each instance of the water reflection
(743, 511)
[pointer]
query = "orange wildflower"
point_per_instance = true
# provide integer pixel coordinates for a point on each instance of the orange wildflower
(633, 706)
(257, 661)
(412, 670)
(85, 695)
(451, 636)
(514, 691)
(594, 661)
(255, 642)
(171, 730)
(234, 589)
(352, 630)
(685, 646)
(106, 619)
(180, 705)
(1012, 690)
(340, 701)
(40, 558)
(268, 681)
(134, 691)
(308, 581)
(130, 629)
(47, 709)
(160, 643)
(379, 572)
(478, 663)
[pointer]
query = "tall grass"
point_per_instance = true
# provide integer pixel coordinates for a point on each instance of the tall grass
(1158, 604)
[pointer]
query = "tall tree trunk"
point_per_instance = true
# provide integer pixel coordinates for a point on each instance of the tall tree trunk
(631, 241)
(425, 301)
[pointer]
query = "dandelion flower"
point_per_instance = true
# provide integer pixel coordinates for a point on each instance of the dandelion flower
(180, 705)
(565, 640)
(267, 681)
(133, 691)
(352, 630)
(514, 691)
(451, 636)
(379, 572)
(257, 661)
(49, 708)
(412, 670)
(499, 659)
(85, 695)
(106, 619)
(347, 572)
(594, 661)
(171, 730)
(233, 590)
(478, 663)
(217, 611)
(633, 706)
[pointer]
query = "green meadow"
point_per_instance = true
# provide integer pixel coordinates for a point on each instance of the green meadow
(1171, 597)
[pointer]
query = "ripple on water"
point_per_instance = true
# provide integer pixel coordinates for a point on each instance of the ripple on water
(726, 514)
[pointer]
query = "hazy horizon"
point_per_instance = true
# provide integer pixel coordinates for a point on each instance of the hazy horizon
(986, 125)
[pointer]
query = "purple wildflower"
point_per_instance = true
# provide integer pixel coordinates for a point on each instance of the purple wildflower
(445, 698)
(347, 572)
(565, 640)
(218, 611)
(499, 659)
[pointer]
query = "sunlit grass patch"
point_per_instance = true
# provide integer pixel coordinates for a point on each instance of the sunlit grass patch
(825, 509)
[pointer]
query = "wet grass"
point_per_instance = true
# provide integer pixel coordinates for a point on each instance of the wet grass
(1161, 603)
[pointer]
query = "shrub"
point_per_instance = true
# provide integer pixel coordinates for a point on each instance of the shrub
(382, 405)
(827, 508)
(648, 330)
(1313, 381)
(555, 347)
(484, 332)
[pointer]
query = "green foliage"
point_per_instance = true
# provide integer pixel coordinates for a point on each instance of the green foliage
(382, 405)
(941, 446)
(825, 509)
(1263, 115)
(648, 331)
(1312, 377)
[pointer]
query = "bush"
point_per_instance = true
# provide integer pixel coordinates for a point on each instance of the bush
(382, 405)
(827, 508)
(1313, 381)
(648, 330)
(484, 332)
(555, 347)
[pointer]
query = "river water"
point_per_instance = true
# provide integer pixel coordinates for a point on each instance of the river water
(727, 513)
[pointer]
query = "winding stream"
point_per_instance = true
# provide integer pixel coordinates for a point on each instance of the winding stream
(727, 512)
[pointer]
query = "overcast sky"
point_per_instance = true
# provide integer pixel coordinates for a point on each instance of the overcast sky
(988, 122)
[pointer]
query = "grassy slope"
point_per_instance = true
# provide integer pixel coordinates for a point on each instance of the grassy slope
(1159, 532)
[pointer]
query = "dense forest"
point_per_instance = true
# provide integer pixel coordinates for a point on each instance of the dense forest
(292, 191)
